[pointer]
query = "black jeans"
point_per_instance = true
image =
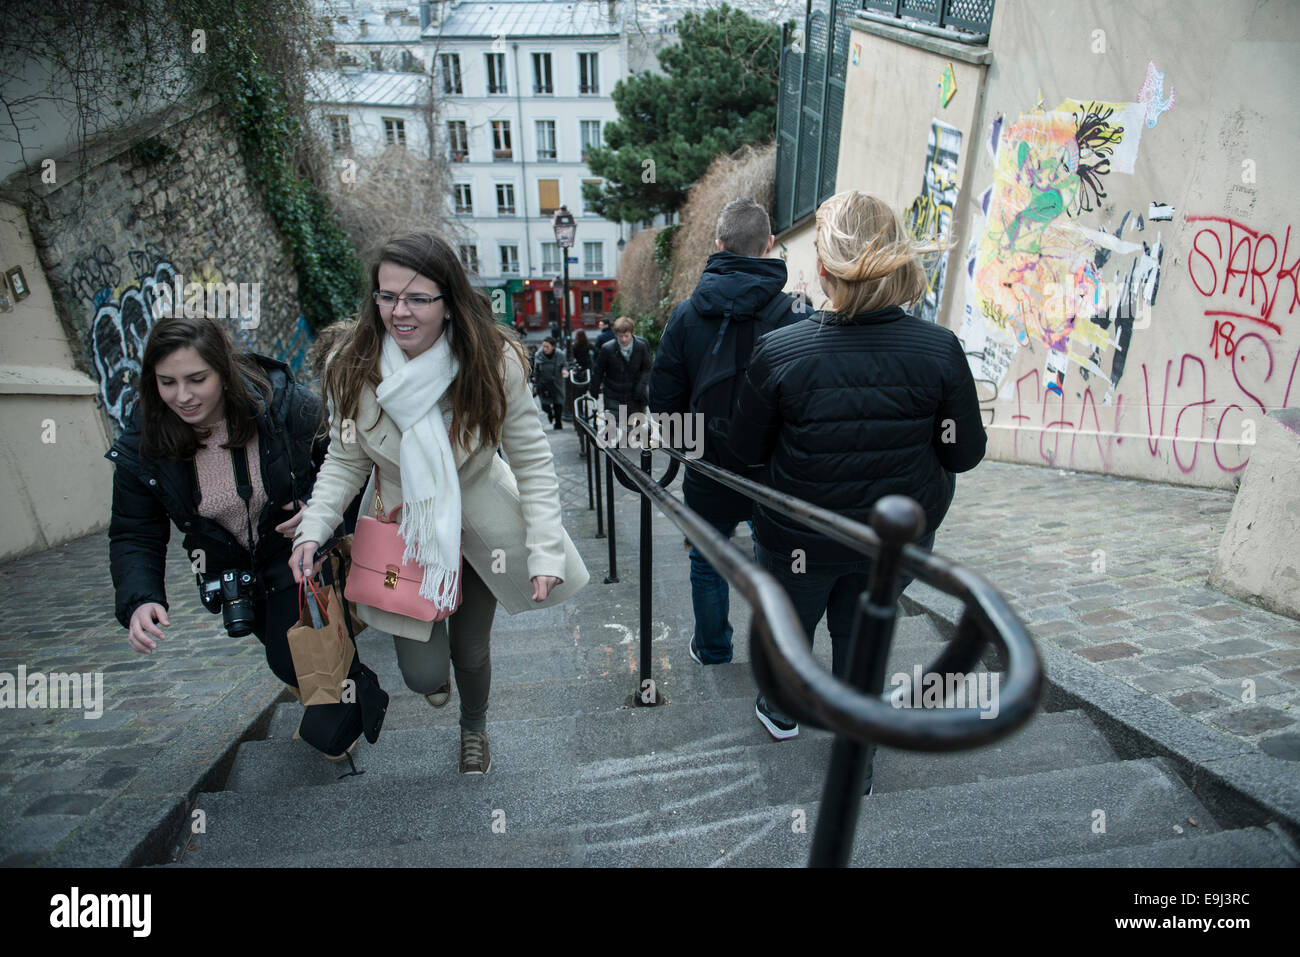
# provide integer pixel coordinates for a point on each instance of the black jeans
(830, 589)
(273, 616)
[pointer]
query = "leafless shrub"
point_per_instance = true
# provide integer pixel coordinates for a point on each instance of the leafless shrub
(391, 192)
(639, 275)
(749, 173)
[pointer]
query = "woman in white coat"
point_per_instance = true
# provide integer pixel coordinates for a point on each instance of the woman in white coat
(423, 391)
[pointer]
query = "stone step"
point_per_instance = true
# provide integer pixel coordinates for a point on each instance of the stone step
(675, 735)
(541, 684)
(1007, 821)
(1246, 847)
(612, 816)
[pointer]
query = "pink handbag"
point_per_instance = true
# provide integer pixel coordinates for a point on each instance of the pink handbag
(378, 576)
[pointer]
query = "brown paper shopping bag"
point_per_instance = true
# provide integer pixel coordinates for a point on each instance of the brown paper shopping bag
(322, 655)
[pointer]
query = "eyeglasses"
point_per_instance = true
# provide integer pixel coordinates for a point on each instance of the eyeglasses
(387, 301)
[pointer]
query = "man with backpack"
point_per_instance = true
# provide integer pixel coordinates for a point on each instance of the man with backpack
(699, 369)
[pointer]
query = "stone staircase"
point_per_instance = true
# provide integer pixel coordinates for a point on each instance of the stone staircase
(580, 776)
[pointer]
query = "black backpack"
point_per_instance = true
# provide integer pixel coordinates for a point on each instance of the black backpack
(722, 372)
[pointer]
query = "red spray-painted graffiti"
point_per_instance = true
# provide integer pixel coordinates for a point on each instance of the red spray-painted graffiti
(1235, 251)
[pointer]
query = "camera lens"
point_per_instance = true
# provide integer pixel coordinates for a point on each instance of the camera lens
(237, 616)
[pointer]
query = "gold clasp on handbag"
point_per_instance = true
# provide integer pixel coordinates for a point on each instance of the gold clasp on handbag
(390, 577)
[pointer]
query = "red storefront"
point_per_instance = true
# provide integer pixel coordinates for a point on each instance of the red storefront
(589, 301)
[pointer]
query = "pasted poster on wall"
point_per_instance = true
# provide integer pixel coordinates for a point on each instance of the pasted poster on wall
(930, 215)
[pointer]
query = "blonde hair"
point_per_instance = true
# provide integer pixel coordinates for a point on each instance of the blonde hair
(871, 262)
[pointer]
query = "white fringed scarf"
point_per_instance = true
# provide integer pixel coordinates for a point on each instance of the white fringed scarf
(431, 517)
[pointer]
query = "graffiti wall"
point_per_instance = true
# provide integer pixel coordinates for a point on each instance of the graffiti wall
(931, 214)
(187, 235)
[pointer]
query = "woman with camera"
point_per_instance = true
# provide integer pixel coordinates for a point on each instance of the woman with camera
(421, 394)
(225, 445)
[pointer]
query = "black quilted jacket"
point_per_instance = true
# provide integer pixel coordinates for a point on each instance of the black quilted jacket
(841, 412)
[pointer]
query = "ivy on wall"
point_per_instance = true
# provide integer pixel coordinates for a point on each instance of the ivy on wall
(260, 81)
(111, 63)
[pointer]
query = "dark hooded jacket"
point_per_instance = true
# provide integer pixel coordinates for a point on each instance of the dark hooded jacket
(842, 411)
(733, 288)
(149, 496)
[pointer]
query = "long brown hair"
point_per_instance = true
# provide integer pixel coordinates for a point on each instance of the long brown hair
(478, 393)
(163, 434)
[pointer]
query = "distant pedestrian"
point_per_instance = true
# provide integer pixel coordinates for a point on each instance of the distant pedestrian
(606, 333)
(698, 369)
(581, 359)
(622, 371)
(548, 379)
(850, 405)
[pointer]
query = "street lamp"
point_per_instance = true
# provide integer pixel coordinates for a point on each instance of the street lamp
(565, 229)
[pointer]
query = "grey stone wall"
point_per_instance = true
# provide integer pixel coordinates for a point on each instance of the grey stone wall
(113, 253)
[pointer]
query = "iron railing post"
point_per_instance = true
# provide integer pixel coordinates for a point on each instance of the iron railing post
(647, 692)
(612, 577)
(898, 521)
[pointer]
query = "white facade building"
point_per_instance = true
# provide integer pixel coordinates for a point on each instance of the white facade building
(525, 90)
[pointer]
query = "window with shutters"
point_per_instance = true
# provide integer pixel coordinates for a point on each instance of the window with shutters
(340, 134)
(394, 131)
(551, 262)
(590, 130)
(810, 106)
(542, 74)
(449, 67)
(593, 258)
(502, 152)
(496, 73)
(458, 141)
(548, 196)
(546, 141)
(505, 199)
(586, 208)
(589, 73)
(509, 260)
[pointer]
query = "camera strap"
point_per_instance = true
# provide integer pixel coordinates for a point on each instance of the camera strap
(244, 486)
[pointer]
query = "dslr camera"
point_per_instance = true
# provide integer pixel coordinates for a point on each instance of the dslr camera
(231, 592)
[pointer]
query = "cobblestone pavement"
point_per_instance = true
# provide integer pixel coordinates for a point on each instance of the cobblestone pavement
(1114, 571)
(78, 789)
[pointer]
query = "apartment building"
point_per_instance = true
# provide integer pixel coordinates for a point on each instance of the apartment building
(522, 91)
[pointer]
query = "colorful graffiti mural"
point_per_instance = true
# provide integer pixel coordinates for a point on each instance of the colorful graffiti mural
(1040, 273)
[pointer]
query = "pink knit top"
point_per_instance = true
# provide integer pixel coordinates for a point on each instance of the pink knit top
(219, 500)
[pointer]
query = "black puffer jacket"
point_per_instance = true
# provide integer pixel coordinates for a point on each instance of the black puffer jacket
(846, 412)
(624, 381)
(737, 289)
(149, 495)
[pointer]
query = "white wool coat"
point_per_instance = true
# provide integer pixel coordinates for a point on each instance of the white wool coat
(512, 507)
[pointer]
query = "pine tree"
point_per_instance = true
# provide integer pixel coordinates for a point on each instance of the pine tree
(718, 94)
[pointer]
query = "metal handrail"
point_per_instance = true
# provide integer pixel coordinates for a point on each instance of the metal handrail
(987, 617)
(784, 666)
